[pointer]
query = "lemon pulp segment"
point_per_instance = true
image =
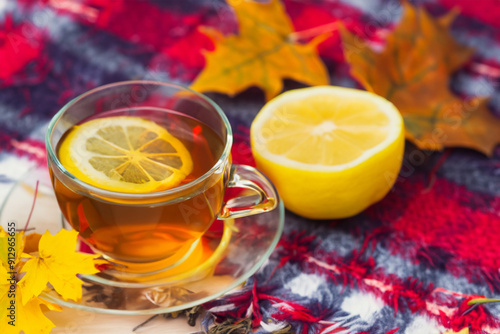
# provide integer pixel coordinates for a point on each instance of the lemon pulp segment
(125, 154)
(321, 130)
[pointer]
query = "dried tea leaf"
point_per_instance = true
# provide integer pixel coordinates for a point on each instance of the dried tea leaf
(413, 72)
(191, 314)
(231, 326)
(262, 54)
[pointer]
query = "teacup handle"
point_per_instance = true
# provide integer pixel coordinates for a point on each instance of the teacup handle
(265, 198)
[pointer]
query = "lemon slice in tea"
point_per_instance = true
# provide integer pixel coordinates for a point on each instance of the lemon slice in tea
(125, 154)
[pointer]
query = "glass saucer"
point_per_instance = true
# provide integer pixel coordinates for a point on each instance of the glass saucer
(239, 248)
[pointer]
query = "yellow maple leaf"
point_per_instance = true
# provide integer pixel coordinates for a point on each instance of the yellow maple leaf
(31, 242)
(262, 54)
(15, 317)
(57, 263)
(11, 247)
(21, 308)
(413, 72)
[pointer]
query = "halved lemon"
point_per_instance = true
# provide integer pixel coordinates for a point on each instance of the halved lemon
(330, 151)
(125, 154)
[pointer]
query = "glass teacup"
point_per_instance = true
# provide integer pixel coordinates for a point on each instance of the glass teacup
(149, 232)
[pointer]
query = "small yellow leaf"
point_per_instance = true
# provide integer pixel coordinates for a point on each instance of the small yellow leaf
(262, 54)
(58, 263)
(15, 317)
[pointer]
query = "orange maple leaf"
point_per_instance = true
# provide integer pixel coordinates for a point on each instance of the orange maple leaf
(16, 316)
(413, 72)
(262, 54)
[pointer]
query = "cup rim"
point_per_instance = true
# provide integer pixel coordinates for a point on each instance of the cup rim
(123, 195)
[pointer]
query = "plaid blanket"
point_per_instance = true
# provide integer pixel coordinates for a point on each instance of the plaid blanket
(408, 264)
